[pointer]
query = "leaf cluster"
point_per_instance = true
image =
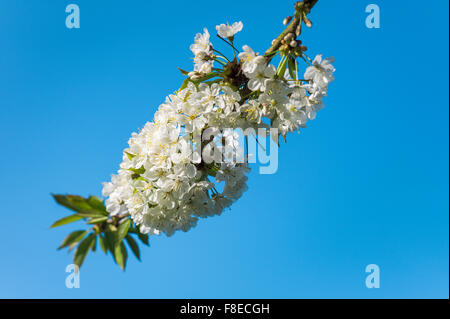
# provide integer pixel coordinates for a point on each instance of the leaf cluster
(110, 233)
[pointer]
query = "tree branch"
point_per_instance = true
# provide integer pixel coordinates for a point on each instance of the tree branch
(302, 8)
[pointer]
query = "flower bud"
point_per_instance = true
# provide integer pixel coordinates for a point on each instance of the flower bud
(308, 22)
(289, 37)
(287, 20)
(298, 30)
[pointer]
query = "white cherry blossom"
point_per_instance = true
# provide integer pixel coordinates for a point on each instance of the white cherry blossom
(228, 31)
(165, 181)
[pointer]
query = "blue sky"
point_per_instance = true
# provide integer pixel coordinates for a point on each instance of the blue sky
(366, 183)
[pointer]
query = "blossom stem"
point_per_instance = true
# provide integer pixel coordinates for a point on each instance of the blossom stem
(221, 54)
(307, 57)
(281, 65)
(257, 141)
(223, 58)
(307, 62)
(234, 51)
(301, 80)
(230, 44)
(270, 55)
(220, 62)
(247, 96)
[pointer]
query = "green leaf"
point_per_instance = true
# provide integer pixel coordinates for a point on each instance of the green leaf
(130, 156)
(98, 204)
(103, 243)
(73, 238)
(211, 171)
(110, 240)
(133, 230)
(207, 77)
(184, 85)
(121, 255)
(282, 68)
(83, 249)
(97, 220)
(183, 71)
(81, 205)
(92, 214)
(73, 202)
(212, 82)
(137, 172)
(94, 245)
(66, 220)
(143, 238)
(291, 65)
(134, 246)
(122, 230)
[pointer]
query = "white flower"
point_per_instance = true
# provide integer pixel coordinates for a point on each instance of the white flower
(259, 77)
(253, 111)
(201, 43)
(274, 98)
(250, 60)
(164, 180)
(227, 31)
(229, 101)
(207, 95)
(202, 49)
(321, 72)
(292, 114)
(194, 117)
(203, 63)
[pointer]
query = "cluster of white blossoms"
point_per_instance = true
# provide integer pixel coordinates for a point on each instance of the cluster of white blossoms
(165, 181)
